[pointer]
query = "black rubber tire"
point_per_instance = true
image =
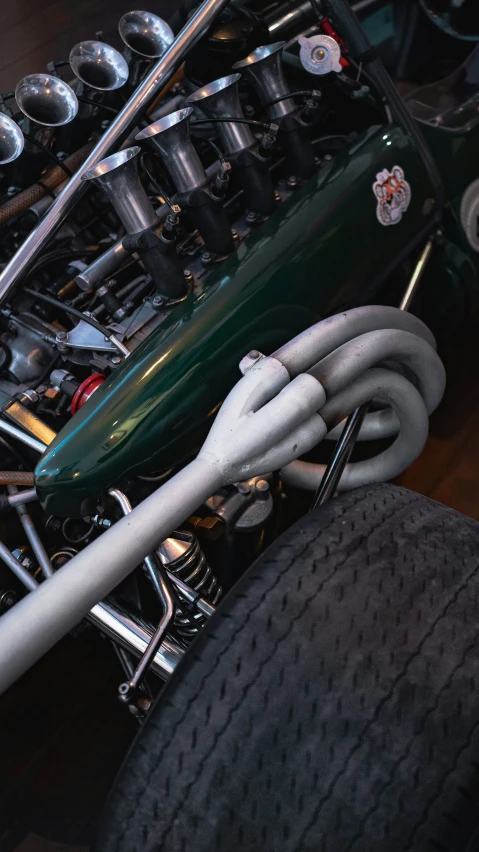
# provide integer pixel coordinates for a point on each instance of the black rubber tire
(331, 704)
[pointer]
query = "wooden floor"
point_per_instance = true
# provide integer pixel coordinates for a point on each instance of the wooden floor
(62, 732)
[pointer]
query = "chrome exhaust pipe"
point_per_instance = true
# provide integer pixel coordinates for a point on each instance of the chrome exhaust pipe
(99, 69)
(119, 178)
(219, 100)
(11, 140)
(146, 37)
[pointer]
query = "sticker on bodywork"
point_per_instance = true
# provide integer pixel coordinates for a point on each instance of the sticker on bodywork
(470, 214)
(393, 195)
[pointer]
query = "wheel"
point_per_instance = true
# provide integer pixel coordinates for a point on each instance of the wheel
(330, 705)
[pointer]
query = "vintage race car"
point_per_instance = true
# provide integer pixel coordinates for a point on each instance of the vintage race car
(230, 250)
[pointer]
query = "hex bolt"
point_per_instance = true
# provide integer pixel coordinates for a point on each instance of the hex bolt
(188, 275)
(62, 337)
(116, 360)
(254, 354)
(292, 182)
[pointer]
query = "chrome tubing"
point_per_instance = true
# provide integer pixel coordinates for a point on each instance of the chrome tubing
(159, 75)
(29, 495)
(17, 433)
(134, 635)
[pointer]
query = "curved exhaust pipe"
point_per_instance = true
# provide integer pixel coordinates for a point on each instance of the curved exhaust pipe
(11, 140)
(146, 37)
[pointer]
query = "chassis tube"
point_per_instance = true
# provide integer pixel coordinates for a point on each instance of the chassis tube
(57, 604)
(161, 72)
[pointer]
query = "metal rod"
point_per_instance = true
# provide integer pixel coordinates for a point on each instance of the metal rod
(14, 432)
(32, 535)
(417, 275)
(134, 635)
(27, 496)
(352, 427)
(126, 691)
(341, 456)
(192, 596)
(161, 72)
(17, 568)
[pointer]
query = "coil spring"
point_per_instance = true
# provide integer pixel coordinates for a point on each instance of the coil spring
(183, 556)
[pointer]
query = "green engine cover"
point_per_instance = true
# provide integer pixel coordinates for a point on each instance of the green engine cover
(322, 251)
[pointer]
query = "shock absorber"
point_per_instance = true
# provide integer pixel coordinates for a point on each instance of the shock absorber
(182, 555)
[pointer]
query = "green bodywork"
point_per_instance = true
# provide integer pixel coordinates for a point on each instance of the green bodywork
(321, 251)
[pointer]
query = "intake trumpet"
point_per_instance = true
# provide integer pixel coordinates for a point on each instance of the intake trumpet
(46, 102)
(264, 70)
(146, 37)
(171, 137)
(221, 99)
(11, 140)
(118, 176)
(99, 68)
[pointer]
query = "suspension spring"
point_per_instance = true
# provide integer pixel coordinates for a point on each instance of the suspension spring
(182, 555)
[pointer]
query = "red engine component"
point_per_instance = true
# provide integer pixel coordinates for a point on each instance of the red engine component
(328, 29)
(85, 390)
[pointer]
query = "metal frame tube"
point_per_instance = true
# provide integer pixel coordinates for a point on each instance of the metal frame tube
(161, 72)
(32, 535)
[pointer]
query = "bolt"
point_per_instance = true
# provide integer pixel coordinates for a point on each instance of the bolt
(116, 360)
(12, 190)
(328, 158)
(243, 488)
(254, 354)
(277, 196)
(251, 217)
(62, 337)
(261, 485)
(248, 111)
(235, 235)
(111, 283)
(206, 258)
(292, 182)
(188, 275)
(158, 301)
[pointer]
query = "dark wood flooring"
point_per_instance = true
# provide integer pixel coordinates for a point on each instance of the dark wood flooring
(62, 732)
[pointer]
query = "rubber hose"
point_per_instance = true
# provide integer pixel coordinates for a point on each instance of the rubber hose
(347, 23)
(392, 389)
(50, 180)
(16, 477)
